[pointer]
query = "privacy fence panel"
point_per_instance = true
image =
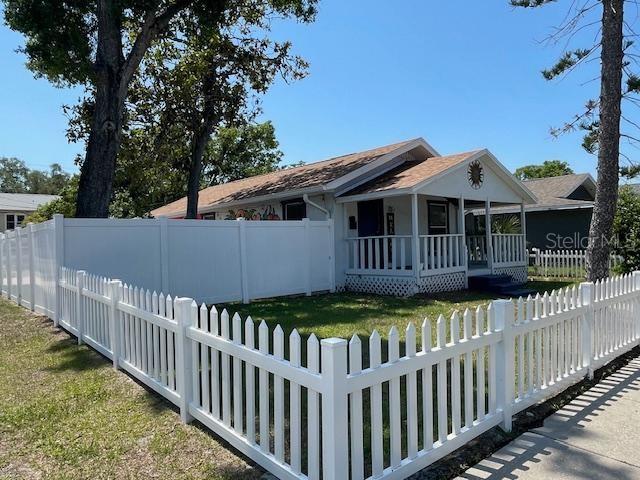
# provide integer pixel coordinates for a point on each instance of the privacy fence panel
(212, 261)
(127, 249)
(204, 260)
(329, 409)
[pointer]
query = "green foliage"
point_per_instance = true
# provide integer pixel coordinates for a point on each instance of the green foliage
(150, 172)
(65, 205)
(239, 152)
(60, 37)
(629, 172)
(566, 62)
(549, 168)
(16, 177)
(530, 3)
(505, 224)
(626, 227)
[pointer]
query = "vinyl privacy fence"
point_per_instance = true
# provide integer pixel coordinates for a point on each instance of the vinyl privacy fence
(563, 263)
(211, 261)
(332, 409)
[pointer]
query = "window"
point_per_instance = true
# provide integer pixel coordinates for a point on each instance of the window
(438, 218)
(294, 209)
(14, 220)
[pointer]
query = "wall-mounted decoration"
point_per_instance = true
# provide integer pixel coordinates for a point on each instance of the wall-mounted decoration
(475, 174)
(353, 225)
(391, 223)
(266, 213)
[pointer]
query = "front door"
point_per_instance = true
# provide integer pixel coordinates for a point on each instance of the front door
(371, 224)
(370, 218)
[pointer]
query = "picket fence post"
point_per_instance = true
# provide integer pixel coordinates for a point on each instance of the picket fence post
(2, 275)
(587, 300)
(186, 314)
(636, 310)
(58, 246)
(115, 287)
(504, 314)
(80, 275)
(335, 439)
(32, 270)
(8, 267)
(18, 267)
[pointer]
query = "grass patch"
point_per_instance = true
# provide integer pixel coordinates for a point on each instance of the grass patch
(345, 314)
(65, 413)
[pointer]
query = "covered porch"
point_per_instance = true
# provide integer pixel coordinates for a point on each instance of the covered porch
(428, 240)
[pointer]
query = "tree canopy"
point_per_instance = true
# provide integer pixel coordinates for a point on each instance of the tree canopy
(549, 168)
(627, 229)
(101, 44)
(599, 30)
(16, 177)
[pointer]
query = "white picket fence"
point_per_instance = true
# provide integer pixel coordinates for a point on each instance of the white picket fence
(563, 263)
(333, 409)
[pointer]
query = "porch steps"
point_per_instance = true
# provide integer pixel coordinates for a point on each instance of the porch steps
(500, 284)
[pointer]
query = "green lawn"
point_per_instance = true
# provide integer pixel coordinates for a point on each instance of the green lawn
(345, 314)
(66, 414)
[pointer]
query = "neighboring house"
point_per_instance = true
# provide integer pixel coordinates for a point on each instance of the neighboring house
(561, 217)
(398, 212)
(14, 207)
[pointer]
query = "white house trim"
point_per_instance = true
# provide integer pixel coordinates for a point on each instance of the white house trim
(501, 171)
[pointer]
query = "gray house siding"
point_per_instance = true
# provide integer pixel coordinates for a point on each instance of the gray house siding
(558, 229)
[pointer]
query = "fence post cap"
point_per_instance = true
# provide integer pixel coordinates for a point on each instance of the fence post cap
(333, 342)
(500, 308)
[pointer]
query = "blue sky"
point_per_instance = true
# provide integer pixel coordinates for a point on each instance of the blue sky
(461, 74)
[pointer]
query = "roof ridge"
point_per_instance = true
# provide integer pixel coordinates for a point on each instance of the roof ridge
(585, 174)
(293, 169)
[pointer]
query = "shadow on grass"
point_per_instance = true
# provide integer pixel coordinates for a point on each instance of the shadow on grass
(73, 357)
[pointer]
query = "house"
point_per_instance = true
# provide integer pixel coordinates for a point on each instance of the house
(14, 207)
(398, 212)
(561, 217)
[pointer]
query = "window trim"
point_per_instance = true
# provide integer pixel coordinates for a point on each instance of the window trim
(431, 227)
(293, 201)
(16, 222)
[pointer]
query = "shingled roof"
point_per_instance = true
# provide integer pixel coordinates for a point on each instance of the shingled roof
(290, 179)
(556, 187)
(409, 174)
(552, 193)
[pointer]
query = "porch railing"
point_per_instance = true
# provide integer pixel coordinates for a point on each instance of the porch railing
(509, 249)
(477, 248)
(439, 253)
(384, 254)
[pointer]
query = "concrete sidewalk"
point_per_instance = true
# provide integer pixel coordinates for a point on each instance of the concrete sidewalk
(596, 436)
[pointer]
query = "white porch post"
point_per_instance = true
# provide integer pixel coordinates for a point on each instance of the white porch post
(489, 239)
(523, 228)
(461, 230)
(415, 239)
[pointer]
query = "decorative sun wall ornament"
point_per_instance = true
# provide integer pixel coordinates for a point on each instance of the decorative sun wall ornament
(475, 174)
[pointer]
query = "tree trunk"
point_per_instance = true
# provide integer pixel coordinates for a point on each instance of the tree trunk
(604, 208)
(98, 169)
(198, 145)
